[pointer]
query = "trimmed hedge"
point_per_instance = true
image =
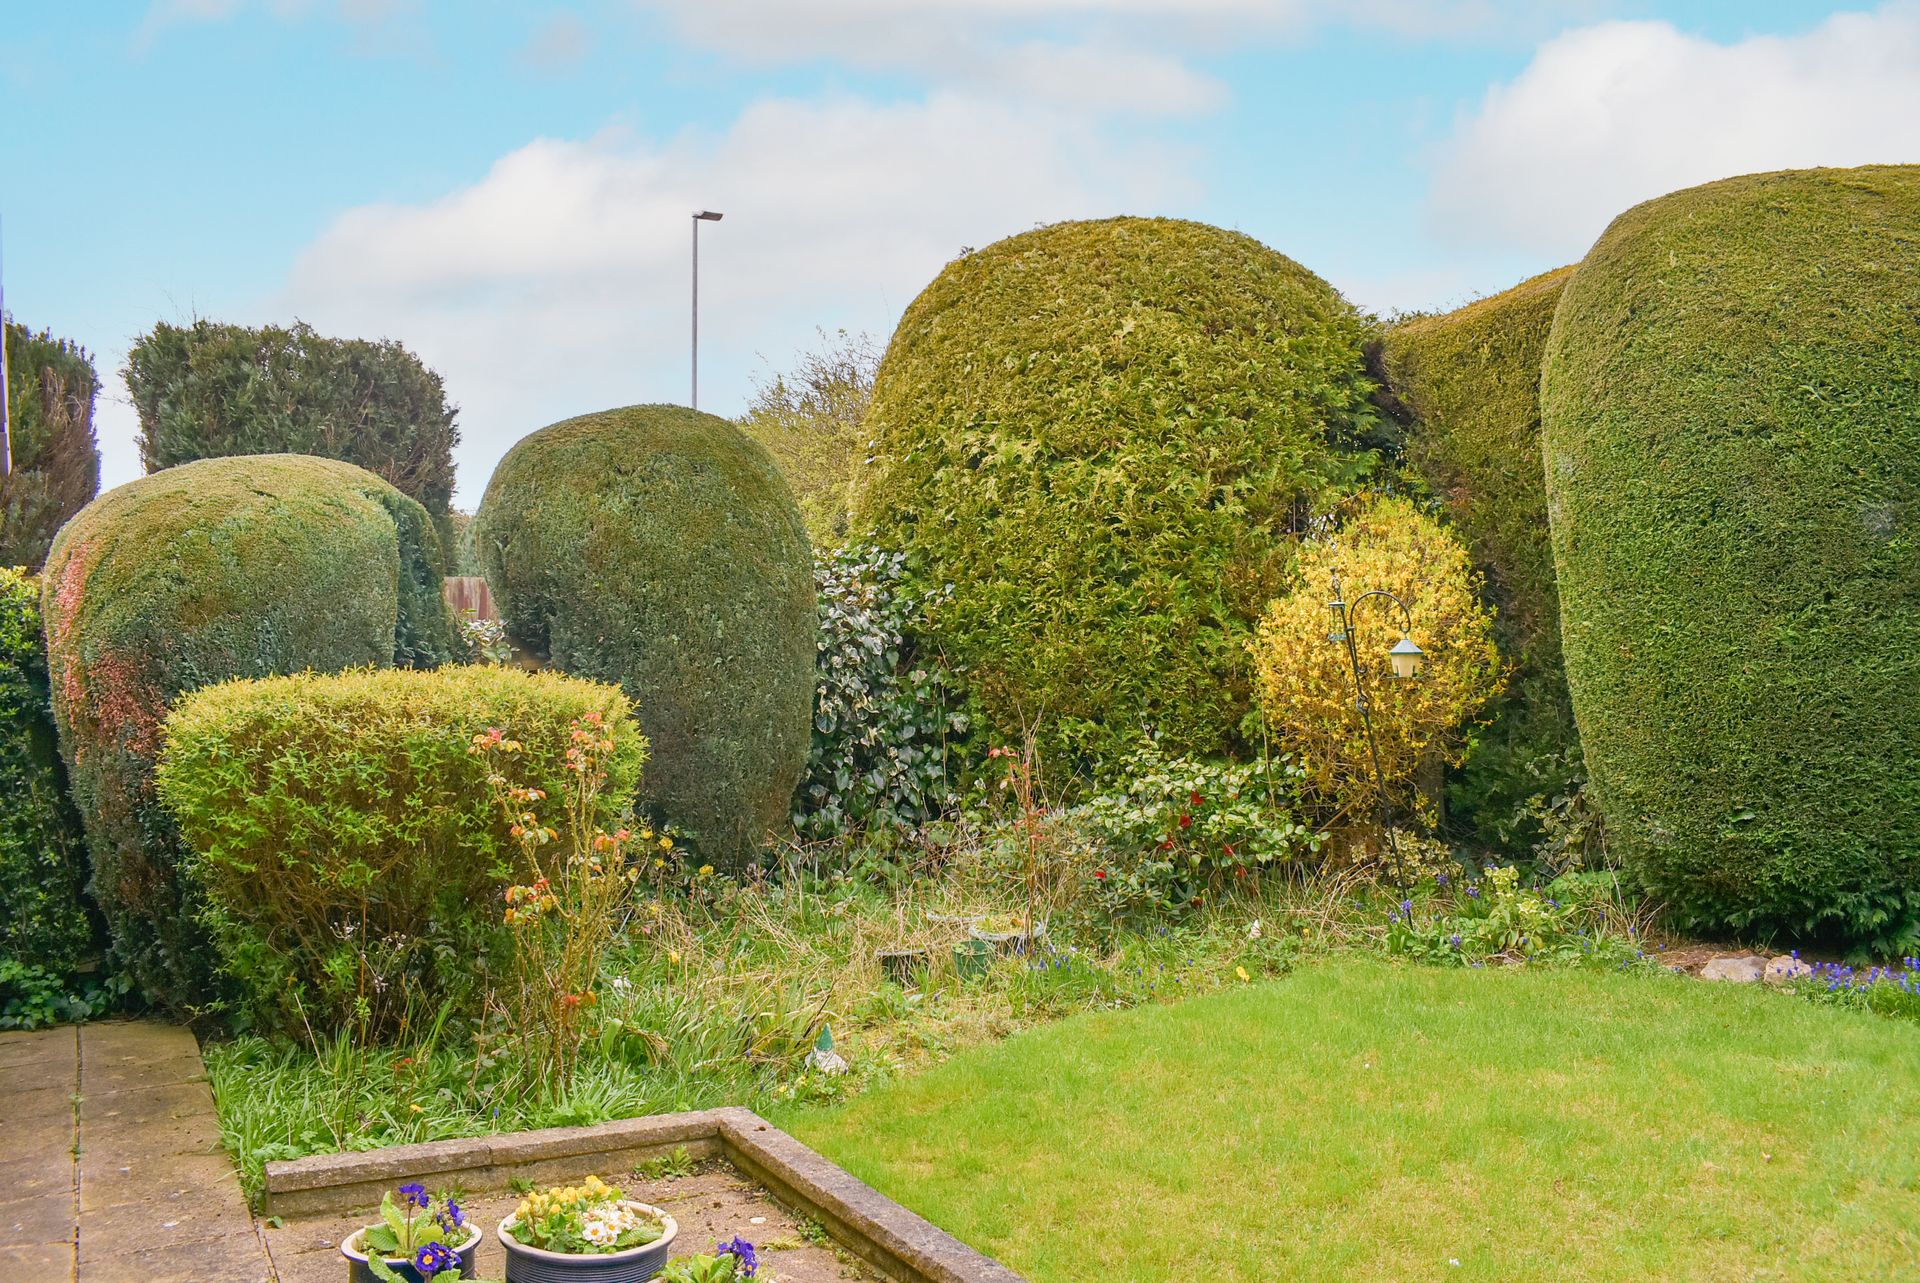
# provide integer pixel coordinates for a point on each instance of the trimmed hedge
(51, 389)
(1733, 465)
(234, 567)
(349, 850)
(660, 548)
(1469, 381)
(43, 921)
(209, 390)
(1106, 436)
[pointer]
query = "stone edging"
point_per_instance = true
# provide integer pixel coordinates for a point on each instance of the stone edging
(900, 1244)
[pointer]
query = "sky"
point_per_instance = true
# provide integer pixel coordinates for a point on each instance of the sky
(506, 188)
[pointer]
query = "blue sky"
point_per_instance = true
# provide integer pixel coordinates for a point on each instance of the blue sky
(505, 187)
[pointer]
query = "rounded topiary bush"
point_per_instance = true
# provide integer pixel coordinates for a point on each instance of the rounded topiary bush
(658, 547)
(315, 800)
(1105, 436)
(1469, 381)
(238, 567)
(1733, 464)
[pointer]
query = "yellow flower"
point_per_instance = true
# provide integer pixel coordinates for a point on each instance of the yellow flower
(1242, 973)
(706, 870)
(666, 844)
(673, 955)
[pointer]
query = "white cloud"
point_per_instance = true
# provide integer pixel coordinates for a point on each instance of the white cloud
(1117, 56)
(1607, 116)
(557, 283)
(561, 41)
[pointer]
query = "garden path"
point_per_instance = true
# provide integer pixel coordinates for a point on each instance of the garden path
(113, 1171)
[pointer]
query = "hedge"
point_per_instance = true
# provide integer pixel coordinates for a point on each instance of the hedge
(51, 389)
(1469, 382)
(658, 547)
(349, 849)
(249, 566)
(209, 390)
(43, 922)
(1733, 467)
(1106, 436)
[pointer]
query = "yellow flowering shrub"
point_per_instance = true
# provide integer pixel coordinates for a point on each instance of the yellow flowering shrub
(1304, 682)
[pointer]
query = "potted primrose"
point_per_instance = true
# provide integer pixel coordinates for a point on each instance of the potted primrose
(585, 1233)
(420, 1238)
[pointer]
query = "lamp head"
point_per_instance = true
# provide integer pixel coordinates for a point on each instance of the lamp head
(707, 215)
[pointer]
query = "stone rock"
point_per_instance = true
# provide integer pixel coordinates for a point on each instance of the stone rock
(1785, 968)
(1749, 968)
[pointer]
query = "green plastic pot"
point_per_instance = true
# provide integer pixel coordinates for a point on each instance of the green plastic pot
(971, 958)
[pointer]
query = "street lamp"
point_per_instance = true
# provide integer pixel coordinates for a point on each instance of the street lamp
(1407, 660)
(699, 216)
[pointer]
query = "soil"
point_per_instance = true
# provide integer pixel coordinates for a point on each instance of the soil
(713, 1202)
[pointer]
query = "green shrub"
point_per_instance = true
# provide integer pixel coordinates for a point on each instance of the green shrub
(43, 922)
(51, 387)
(1733, 465)
(1105, 436)
(659, 547)
(350, 852)
(208, 390)
(242, 567)
(1469, 382)
(889, 724)
(1171, 831)
(809, 419)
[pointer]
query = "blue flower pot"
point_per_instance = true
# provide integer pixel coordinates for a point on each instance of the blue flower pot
(635, 1265)
(354, 1250)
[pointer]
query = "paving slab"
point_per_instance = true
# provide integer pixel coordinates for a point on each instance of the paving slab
(113, 1171)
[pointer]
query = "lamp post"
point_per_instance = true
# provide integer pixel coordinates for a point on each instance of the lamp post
(1406, 659)
(699, 216)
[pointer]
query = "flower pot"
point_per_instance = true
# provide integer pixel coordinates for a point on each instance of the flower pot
(972, 957)
(635, 1265)
(354, 1249)
(898, 965)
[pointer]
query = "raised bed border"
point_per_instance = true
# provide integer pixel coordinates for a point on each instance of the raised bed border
(902, 1245)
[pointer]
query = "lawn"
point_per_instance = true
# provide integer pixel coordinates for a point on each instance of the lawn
(1360, 1120)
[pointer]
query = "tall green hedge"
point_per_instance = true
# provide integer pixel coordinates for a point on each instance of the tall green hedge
(51, 389)
(658, 547)
(313, 801)
(1106, 435)
(240, 567)
(43, 922)
(1733, 466)
(208, 390)
(1469, 381)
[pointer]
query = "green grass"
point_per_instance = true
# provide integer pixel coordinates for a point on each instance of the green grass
(1360, 1120)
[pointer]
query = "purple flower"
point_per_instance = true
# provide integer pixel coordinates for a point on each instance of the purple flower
(450, 1218)
(1441, 878)
(433, 1258)
(1454, 940)
(1473, 893)
(740, 1250)
(415, 1194)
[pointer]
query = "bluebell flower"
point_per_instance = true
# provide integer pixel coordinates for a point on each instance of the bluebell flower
(1406, 907)
(433, 1258)
(1454, 940)
(1441, 878)
(1473, 893)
